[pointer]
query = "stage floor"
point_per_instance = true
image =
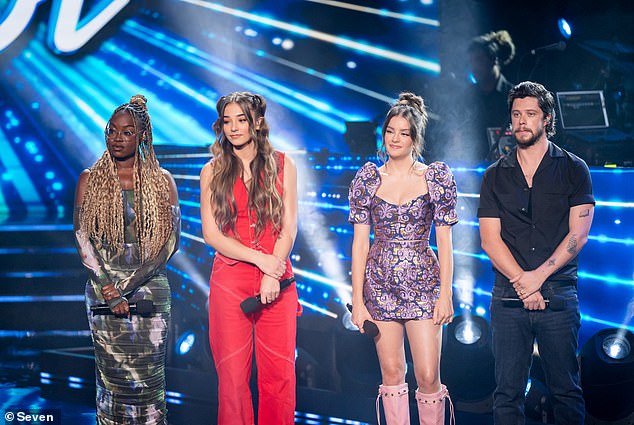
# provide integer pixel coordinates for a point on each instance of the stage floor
(22, 395)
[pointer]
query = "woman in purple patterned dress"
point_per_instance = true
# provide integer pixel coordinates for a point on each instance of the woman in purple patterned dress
(398, 282)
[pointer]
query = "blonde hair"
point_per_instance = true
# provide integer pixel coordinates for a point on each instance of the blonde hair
(412, 108)
(102, 215)
(264, 197)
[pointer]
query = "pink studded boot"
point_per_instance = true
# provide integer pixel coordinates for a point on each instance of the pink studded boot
(431, 407)
(395, 404)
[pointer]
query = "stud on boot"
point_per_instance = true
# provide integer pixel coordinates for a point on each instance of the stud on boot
(431, 407)
(395, 404)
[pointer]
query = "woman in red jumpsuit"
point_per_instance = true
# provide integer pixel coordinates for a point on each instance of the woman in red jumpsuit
(249, 216)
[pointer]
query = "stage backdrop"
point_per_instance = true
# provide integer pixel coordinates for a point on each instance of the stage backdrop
(328, 71)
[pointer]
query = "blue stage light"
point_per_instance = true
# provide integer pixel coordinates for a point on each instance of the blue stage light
(616, 347)
(185, 343)
(564, 28)
(607, 367)
(467, 364)
(468, 332)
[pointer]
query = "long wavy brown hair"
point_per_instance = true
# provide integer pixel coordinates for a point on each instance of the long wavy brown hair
(264, 197)
(102, 215)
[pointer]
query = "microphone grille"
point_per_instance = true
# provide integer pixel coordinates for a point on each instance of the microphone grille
(144, 307)
(250, 305)
(370, 329)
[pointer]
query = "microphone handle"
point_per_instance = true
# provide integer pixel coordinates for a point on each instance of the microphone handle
(555, 303)
(505, 299)
(283, 285)
(104, 309)
(145, 310)
(249, 306)
(286, 282)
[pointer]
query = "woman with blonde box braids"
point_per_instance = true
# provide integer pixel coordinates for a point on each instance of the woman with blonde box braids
(127, 226)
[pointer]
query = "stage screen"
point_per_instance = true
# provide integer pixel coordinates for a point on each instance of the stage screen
(329, 71)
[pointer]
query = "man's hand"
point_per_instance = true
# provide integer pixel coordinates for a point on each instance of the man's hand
(534, 302)
(528, 283)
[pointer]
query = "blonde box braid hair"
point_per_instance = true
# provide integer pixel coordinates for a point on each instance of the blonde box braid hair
(264, 196)
(102, 207)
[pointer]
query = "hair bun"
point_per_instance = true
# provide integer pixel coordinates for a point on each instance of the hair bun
(410, 99)
(138, 99)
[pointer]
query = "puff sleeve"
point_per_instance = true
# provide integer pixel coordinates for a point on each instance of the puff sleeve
(362, 189)
(443, 194)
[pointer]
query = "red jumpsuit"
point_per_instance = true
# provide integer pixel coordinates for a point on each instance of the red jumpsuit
(232, 332)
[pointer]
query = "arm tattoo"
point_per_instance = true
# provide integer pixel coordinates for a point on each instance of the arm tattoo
(551, 262)
(572, 245)
(584, 213)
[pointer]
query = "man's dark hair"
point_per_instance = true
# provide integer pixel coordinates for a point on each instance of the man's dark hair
(497, 45)
(544, 98)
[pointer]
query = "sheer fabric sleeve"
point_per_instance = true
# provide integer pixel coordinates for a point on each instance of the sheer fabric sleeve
(90, 257)
(154, 266)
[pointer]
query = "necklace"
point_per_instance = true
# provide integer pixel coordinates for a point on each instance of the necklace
(411, 169)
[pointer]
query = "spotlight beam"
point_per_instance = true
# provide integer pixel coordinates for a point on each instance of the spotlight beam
(328, 78)
(318, 309)
(423, 64)
(379, 12)
(285, 96)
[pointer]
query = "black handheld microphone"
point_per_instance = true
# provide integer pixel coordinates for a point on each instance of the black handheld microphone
(369, 328)
(555, 302)
(142, 308)
(253, 304)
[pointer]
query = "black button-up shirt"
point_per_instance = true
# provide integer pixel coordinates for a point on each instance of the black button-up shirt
(535, 220)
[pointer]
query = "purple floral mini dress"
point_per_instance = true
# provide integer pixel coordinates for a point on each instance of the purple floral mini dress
(402, 275)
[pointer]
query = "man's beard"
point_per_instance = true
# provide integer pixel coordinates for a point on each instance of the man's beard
(530, 142)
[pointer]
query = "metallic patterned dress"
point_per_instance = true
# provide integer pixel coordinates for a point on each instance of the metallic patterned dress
(402, 276)
(129, 353)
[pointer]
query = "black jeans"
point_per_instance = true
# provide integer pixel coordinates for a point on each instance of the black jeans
(515, 330)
